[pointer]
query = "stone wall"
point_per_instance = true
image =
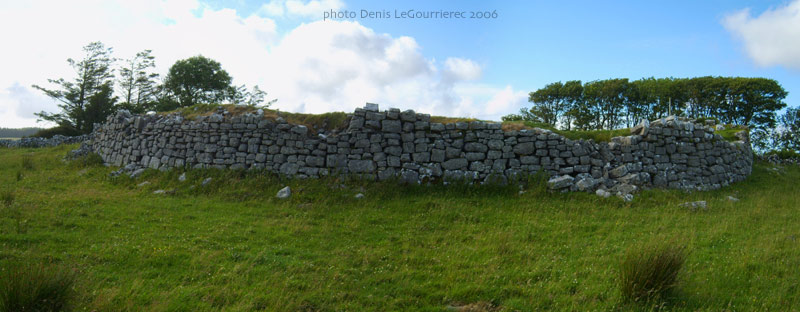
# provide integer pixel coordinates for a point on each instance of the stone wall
(405, 145)
(44, 142)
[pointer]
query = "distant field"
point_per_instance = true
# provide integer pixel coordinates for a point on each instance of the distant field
(9, 139)
(231, 245)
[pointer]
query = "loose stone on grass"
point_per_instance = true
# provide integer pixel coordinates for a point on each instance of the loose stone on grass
(695, 205)
(284, 193)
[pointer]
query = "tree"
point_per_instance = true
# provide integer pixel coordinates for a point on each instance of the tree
(241, 96)
(572, 93)
(758, 99)
(548, 103)
(607, 100)
(197, 79)
(137, 84)
(524, 115)
(787, 134)
(87, 100)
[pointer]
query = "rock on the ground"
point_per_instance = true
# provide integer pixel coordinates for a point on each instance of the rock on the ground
(695, 205)
(359, 196)
(284, 193)
(625, 197)
(602, 193)
(733, 199)
(182, 177)
(143, 183)
(561, 182)
(587, 184)
(206, 182)
(136, 173)
(623, 189)
(159, 192)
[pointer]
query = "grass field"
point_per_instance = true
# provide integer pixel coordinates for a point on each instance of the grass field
(231, 245)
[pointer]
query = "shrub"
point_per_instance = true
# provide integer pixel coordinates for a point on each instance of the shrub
(651, 270)
(784, 154)
(13, 211)
(7, 197)
(88, 160)
(61, 130)
(36, 287)
(703, 119)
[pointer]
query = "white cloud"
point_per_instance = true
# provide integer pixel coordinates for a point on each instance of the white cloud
(41, 35)
(461, 69)
(316, 67)
(772, 38)
(297, 8)
(340, 65)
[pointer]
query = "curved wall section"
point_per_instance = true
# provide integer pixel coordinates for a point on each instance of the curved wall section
(670, 152)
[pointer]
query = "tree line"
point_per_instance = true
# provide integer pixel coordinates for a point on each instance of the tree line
(619, 103)
(17, 132)
(104, 84)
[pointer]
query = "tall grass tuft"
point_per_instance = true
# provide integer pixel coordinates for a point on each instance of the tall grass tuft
(7, 197)
(88, 160)
(9, 209)
(36, 287)
(27, 162)
(651, 271)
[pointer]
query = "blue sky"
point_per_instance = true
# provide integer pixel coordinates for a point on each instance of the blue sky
(460, 67)
(533, 43)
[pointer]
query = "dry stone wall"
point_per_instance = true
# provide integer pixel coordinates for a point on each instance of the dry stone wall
(405, 145)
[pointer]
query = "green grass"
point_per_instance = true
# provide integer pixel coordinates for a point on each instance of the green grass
(651, 271)
(36, 287)
(232, 246)
(327, 121)
(729, 133)
(596, 135)
(784, 154)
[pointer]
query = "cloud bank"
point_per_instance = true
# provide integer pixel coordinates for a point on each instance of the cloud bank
(316, 67)
(770, 39)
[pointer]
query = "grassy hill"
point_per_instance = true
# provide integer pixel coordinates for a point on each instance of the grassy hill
(232, 245)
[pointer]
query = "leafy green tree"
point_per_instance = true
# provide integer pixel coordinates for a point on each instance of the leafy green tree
(524, 115)
(254, 97)
(757, 101)
(583, 115)
(607, 100)
(549, 103)
(138, 84)
(572, 92)
(699, 94)
(197, 80)
(89, 98)
(787, 134)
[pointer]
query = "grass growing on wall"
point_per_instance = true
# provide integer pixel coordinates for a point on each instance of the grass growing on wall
(729, 133)
(596, 135)
(339, 121)
(231, 245)
(327, 121)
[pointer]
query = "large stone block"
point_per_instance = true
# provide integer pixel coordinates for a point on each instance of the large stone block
(455, 164)
(361, 166)
(392, 126)
(526, 148)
